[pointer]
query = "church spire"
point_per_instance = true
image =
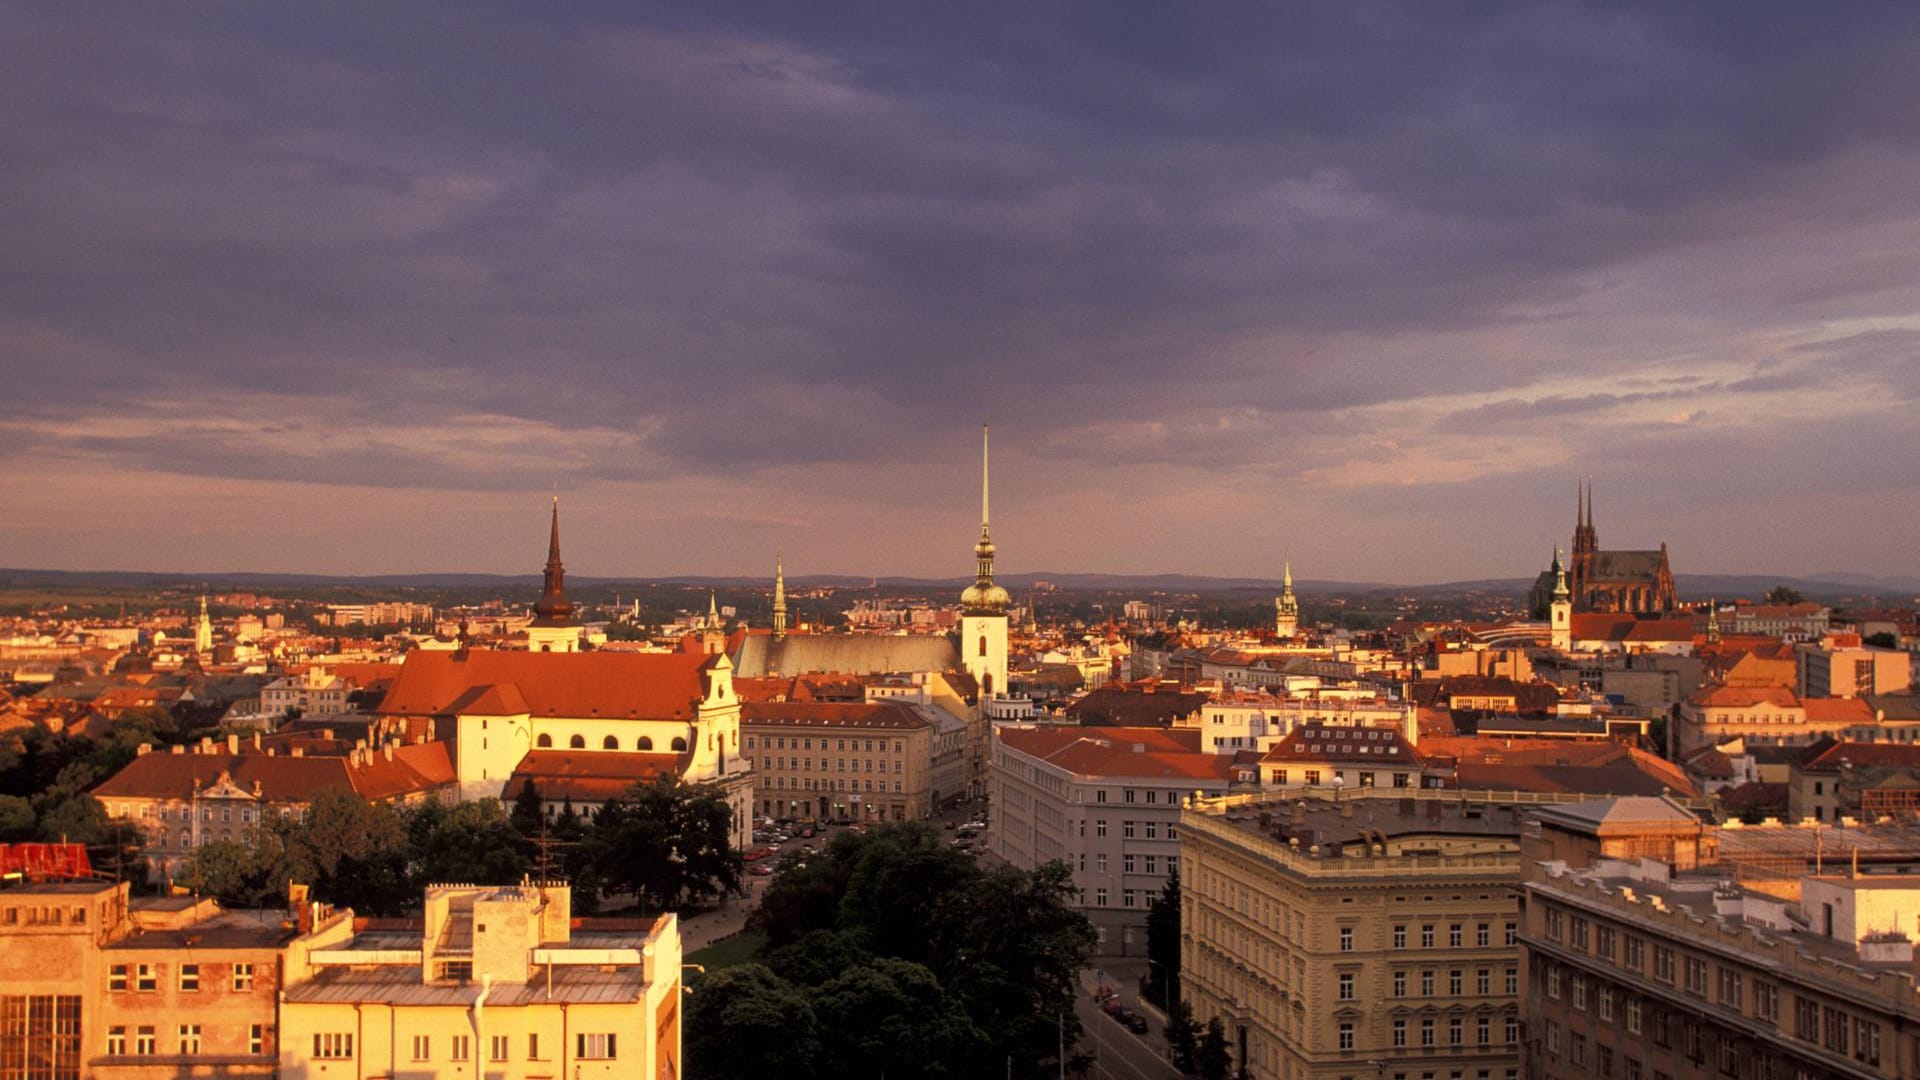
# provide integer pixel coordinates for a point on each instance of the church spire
(1559, 576)
(983, 595)
(779, 599)
(553, 607)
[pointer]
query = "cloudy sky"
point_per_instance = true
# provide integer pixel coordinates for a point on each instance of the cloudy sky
(338, 289)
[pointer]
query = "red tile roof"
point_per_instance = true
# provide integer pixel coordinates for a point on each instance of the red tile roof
(892, 716)
(590, 777)
(1312, 743)
(1122, 752)
(1744, 697)
(650, 686)
(1837, 712)
(413, 770)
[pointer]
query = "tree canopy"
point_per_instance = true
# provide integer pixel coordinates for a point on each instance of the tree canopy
(917, 960)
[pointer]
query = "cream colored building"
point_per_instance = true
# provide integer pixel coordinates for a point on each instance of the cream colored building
(1641, 969)
(95, 983)
(494, 982)
(1370, 935)
(534, 716)
(1106, 802)
(1844, 669)
(871, 762)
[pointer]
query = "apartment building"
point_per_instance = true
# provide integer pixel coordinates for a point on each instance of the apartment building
(890, 760)
(1645, 967)
(1840, 666)
(1359, 935)
(500, 982)
(1105, 801)
(95, 983)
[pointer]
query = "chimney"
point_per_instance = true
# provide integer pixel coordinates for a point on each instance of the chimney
(389, 749)
(1346, 807)
(233, 742)
(145, 749)
(299, 751)
(256, 740)
(178, 748)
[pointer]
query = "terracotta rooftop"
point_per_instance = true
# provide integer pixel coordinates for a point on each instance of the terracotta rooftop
(1129, 752)
(649, 686)
(893, 716)
(590, 776)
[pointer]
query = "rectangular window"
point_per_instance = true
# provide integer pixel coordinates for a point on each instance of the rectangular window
(1766, 1002)
(1426, 983)
(146, 978)
(1426, 1032)
(533, 1046)
(144, 1041)
(189, 976)
(1603, 1004)
(597, 1047)
(1346, 1034)
(1663, 964)
(333, 1045)
(1100, 827)
(1457, 1031)
(1483, 935)
(1553, 981)
(257, 1039)
(1483, 1030)
(498, 1050)
(1636, 954)
(189, 1040)
(1346, 939)
(1603, 941)
(1483, 982)
(1454, 988)
(242, 977)
(1399, 1033)
(1126, 830)
(422, 1048)
(1633, 1016)
(1454, 936)
(1426, 936)
(1513, 981)
(1579, 939)
(1399, 984)
(1513, 934)
(1347, 986)
(117, 977)
(462, 1047)
(1400, 936)
(116, 1042)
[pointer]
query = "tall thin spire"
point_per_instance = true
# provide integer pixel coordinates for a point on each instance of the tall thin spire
(779, 598)
(1286, 575)
(983, 477)
(983, 594)
(553, 607)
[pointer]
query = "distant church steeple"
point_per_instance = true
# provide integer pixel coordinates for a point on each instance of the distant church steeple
(779, 599)
(983, 596)
(203, 631)
(553, 628)
(983, 618)
(1286, 608)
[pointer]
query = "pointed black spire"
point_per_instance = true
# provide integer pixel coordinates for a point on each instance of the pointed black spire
(553, 607)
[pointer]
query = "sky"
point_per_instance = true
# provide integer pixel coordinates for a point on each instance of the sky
(354, 288)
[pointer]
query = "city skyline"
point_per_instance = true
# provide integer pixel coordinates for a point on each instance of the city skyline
(1363, 289)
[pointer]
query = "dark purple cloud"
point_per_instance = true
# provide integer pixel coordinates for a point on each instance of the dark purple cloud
(1324, 259)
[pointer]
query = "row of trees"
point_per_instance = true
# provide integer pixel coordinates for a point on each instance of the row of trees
(660, 845)
(891, 954)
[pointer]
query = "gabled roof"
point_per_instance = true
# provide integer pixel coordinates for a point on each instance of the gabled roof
(1626, 629)
(1837, 712)
(845, 654)
(1744, 697)
(1135, 708)
(647, 686)
(1382, 747)
(889, 715)
(1830, 756)
(413, 769)
(1626, 565)
(590, 776)
(1124, 753)
(1604, 817)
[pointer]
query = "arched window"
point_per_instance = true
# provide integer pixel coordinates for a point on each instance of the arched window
(609, 743)
(646, 742)
(679, 744)
(983, 644)
(544, 742)
(577, 742)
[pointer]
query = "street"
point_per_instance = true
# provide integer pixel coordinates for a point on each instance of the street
(1118, 1054)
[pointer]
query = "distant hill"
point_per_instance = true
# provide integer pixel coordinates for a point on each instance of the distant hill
(1829, 586)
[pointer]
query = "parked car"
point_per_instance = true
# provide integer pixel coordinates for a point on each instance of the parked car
(1135, 1023)
(760, 870)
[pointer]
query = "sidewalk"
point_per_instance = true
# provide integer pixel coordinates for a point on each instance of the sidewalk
(703, 929)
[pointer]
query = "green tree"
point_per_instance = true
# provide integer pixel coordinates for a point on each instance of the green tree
(1215, 1059)
(893, 1018)
(529, 813)
(243, 875)
(16, 819)
(1163, 941)
(1781, 594)
(1183, 1035)
(353, 852)
(666, 842)
(1885, 639)
(747, 1021)
(465, 841)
